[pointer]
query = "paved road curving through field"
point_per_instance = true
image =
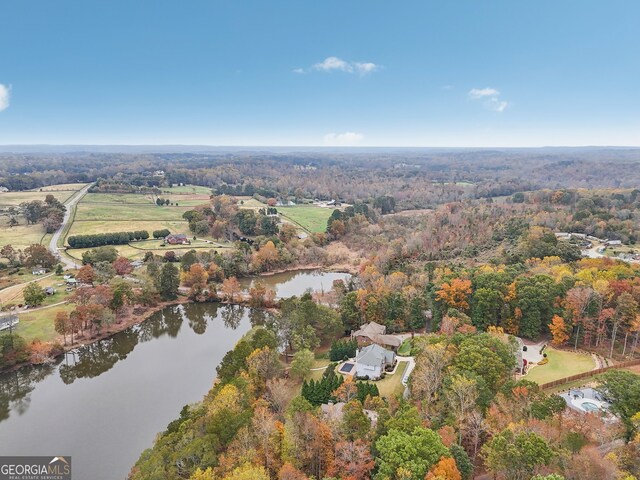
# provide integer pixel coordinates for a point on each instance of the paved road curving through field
(53, 244)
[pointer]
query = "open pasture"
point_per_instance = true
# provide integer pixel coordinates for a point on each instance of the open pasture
(118, 198)
(13, 199)
(130, 212)
(187, 189)
(20, 236)
(74, 187)
(311, 218)
(93, 227)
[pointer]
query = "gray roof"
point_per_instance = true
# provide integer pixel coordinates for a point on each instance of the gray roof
(376, 333)
(369, 329)
(374, 355)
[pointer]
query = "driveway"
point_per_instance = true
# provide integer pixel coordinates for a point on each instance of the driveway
(53, 244)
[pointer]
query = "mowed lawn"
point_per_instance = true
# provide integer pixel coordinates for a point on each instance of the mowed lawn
(40, 324)
(391, 385)
(131, 212)
(561, 364)
(311, 218)
(123, 198)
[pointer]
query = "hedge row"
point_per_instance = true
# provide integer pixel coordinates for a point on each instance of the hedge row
(100, 239)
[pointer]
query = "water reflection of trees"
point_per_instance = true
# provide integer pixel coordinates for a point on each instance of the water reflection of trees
(97, 358)
(16, 386)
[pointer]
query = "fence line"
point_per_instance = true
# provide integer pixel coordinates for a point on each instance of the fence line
(597, 371)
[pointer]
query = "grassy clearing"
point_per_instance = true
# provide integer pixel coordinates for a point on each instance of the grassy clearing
(561, 364)
(188, 189)
(391, 385)
(185, 200)
(120, 198)
(137, 213)
(9, 199)
(20, 236)
(311, 218)
(250, 202)
(39, 324)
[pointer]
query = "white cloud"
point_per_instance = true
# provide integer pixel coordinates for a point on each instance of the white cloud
(331, 64)
(365, 67)
(498, 105)
(491, 98)
(343, 139)
(483, 92)
(4, 97)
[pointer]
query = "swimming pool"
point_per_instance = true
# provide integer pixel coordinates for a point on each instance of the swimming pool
(589, 407)
(346, 367)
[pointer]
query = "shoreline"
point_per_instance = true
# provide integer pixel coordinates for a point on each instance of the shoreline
(130, 319)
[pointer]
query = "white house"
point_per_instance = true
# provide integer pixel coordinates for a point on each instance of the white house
(372, 360)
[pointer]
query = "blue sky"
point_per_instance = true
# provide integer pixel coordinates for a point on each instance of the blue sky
(348, 72)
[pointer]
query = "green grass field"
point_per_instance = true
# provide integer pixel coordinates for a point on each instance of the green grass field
(391, 385)
(561, 364)
(311, 218)
(188, 189)
(39, 324)
(123, 198)
(98, 212)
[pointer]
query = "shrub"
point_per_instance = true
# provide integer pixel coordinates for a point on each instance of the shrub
(343, 349)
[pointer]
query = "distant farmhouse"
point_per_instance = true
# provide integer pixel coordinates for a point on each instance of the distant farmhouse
(177, 239)
(373, 332)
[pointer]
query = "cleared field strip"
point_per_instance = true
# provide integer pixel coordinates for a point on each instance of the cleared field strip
(311, 218)
(188, 189)
(137, 213)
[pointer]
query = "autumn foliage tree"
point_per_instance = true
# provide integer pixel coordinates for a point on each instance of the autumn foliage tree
(196, 279)
(558, 329)
(122, 266)
(445, 469)
(455, 293)
(231, 289)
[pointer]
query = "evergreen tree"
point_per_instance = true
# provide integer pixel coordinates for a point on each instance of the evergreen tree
(169, 282)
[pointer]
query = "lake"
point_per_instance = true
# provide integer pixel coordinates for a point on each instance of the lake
(104, 403)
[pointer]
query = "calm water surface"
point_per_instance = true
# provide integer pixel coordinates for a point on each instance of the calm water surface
(104, 403)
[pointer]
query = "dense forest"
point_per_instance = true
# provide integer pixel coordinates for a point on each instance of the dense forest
(466, 254)
(417, 179)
